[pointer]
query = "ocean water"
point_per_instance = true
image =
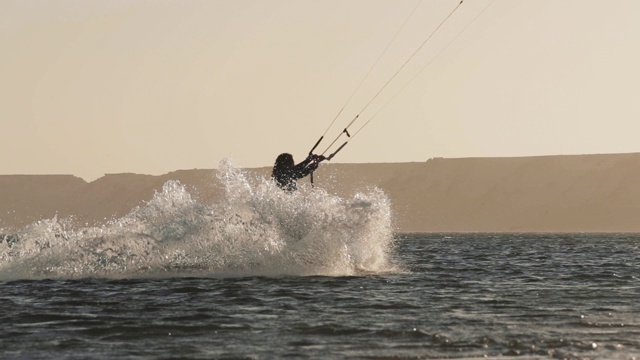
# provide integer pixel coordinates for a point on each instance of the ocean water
(267, 275)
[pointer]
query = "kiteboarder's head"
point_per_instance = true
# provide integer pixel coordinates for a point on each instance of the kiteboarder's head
(284, 162)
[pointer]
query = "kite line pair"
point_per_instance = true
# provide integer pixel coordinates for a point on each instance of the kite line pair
(346, 129)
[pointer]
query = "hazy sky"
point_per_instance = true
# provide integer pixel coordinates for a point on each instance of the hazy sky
(89, 87)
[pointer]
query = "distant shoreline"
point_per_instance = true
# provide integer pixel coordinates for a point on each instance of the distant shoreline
(540, 194)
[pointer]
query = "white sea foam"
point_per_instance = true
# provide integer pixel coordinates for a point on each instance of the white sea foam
(256, 229)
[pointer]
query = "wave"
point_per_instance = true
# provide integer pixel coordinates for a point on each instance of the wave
(255, 229)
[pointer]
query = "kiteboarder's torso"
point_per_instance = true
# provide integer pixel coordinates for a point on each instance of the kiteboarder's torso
(285, 173)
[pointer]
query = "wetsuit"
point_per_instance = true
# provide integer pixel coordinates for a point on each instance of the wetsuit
(286, 178)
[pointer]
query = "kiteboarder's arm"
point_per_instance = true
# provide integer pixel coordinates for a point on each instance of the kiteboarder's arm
(307, 166)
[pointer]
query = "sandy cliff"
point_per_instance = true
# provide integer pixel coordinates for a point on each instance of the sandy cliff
(582, 193)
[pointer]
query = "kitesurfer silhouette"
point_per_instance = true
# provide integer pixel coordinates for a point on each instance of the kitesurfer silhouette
(285, 172)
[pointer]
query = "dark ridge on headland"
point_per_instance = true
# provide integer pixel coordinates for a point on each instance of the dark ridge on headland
(565, 193)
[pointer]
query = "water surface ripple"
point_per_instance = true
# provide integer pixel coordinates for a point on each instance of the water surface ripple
(461, 296)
